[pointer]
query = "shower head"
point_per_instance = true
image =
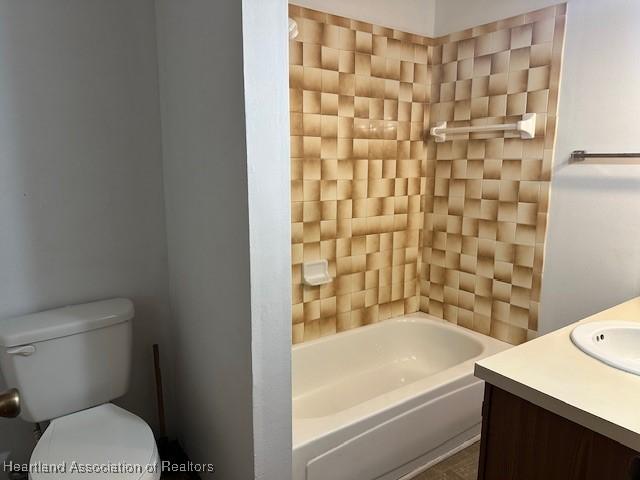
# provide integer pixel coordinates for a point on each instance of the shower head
(293, 29)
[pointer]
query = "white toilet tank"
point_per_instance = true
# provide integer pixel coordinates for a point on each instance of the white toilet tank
(68, 359)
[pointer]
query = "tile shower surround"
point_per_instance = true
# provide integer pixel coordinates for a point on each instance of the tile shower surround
(455, 229)
(359, 106)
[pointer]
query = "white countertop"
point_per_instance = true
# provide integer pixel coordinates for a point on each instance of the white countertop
(552, 373)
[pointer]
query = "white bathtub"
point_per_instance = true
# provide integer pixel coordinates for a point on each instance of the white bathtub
(387, 400)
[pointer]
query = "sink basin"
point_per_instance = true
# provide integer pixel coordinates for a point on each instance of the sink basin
(615, 343)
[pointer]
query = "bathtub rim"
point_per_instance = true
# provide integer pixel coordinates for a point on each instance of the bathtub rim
(416, 317)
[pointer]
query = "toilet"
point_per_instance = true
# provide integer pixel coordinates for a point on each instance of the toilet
(67, 365)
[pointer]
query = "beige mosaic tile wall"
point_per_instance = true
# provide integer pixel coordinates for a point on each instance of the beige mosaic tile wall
(454, 229)
(359, 96)
(488, 195)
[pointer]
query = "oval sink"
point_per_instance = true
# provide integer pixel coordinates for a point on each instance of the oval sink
(615, 343)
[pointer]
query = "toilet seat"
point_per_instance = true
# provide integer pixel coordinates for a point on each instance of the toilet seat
(113, 442)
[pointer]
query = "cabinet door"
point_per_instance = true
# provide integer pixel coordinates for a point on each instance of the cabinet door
(521, 441)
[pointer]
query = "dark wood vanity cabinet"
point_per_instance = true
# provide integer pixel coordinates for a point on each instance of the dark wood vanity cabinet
(521, 441)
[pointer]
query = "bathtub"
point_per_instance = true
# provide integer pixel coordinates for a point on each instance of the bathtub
(387, 400)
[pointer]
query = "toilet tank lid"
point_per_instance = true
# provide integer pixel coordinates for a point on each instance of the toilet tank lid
(65, 321)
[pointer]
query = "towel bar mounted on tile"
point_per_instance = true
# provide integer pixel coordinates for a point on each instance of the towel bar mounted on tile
(526, 127)
(581, 156)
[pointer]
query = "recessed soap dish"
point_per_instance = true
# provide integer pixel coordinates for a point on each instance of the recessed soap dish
(316, 273)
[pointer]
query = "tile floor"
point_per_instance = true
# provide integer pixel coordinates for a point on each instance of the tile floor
(461, 466)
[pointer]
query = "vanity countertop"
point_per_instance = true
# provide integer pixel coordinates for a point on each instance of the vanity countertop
(554, 374)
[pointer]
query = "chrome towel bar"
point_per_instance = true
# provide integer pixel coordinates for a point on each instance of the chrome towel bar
(622, 158)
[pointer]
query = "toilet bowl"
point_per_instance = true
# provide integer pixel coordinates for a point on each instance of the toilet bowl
(68, 364)
(104, 442)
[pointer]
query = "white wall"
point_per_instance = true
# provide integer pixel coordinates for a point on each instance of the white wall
(226, 188)
(200, 57)
(414, 16)
(593, 247)
(266, 84)
(455, 15)
(81, 203)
